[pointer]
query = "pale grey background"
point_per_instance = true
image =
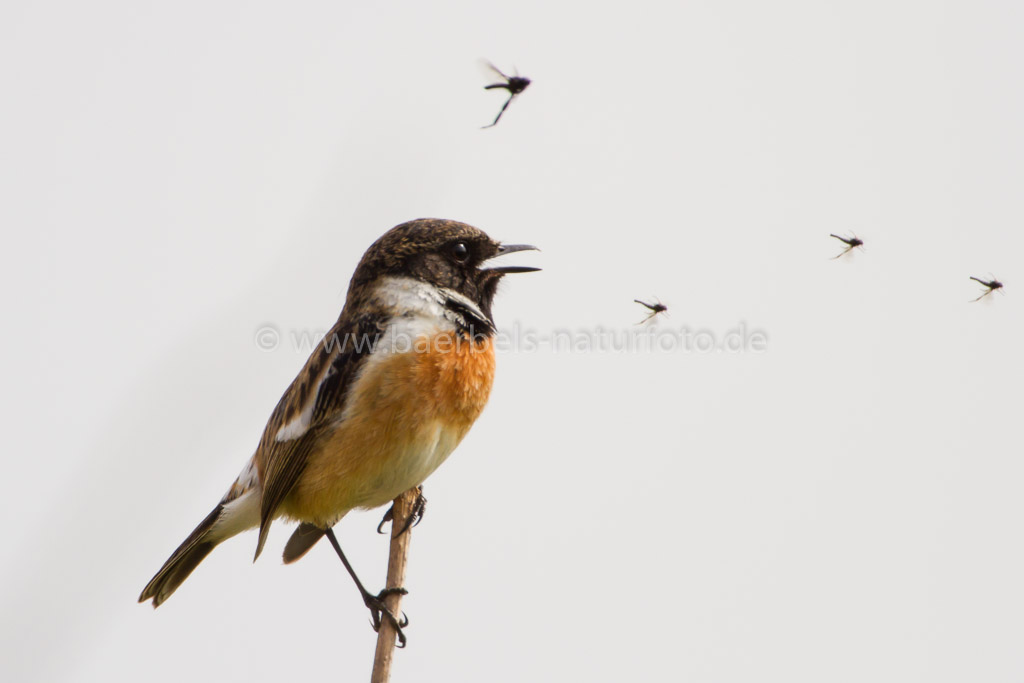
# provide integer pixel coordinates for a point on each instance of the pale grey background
(844, 506)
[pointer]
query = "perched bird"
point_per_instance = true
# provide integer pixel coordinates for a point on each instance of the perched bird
(992, 285)
(654, 309)
(850, 242)
(514, 85)
(380, 404)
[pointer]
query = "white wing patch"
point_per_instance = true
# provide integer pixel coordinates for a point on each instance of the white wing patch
(298, 426)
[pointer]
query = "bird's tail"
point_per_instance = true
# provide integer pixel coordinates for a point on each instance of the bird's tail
(304, 538)
(183, 561)
(238, 511)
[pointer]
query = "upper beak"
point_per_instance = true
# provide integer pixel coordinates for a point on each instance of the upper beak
(508, 249)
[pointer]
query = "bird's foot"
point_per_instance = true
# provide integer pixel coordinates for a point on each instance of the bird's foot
(379, 612)
(419, 508)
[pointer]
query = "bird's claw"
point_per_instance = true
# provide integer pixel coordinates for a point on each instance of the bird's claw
(419, 507)
(379, 612)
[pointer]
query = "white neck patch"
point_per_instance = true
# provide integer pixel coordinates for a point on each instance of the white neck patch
(408, 297)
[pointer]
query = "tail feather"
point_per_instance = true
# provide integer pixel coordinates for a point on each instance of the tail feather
(183, 561)
(303, 538)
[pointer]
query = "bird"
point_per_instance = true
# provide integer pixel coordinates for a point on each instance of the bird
(654, 308)
(850, 242)
(386, 397)
(992, 286)
(514, 85)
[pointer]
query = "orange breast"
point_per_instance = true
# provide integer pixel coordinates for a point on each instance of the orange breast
(404, 415)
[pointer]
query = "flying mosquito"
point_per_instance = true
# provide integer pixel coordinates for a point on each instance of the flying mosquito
(850, 242)
(654, 309)
(992, 285)
(514, 84)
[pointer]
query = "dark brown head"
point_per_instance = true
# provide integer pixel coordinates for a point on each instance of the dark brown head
(447, 254)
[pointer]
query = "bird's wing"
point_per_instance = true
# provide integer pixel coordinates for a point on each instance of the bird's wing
(308, 407)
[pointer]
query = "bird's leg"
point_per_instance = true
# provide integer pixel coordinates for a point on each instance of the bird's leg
(419, 508)
(375, 603)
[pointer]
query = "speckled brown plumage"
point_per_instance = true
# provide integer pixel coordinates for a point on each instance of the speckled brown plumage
(410, 249)
(353, 425)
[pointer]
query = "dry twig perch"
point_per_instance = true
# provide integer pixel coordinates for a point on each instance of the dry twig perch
(397, 560)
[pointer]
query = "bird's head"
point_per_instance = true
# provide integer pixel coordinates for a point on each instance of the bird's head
(446, 254)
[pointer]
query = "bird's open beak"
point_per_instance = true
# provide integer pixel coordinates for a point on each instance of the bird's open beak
(508, 249)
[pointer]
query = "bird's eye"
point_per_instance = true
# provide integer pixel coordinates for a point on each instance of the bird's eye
(460, 252)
